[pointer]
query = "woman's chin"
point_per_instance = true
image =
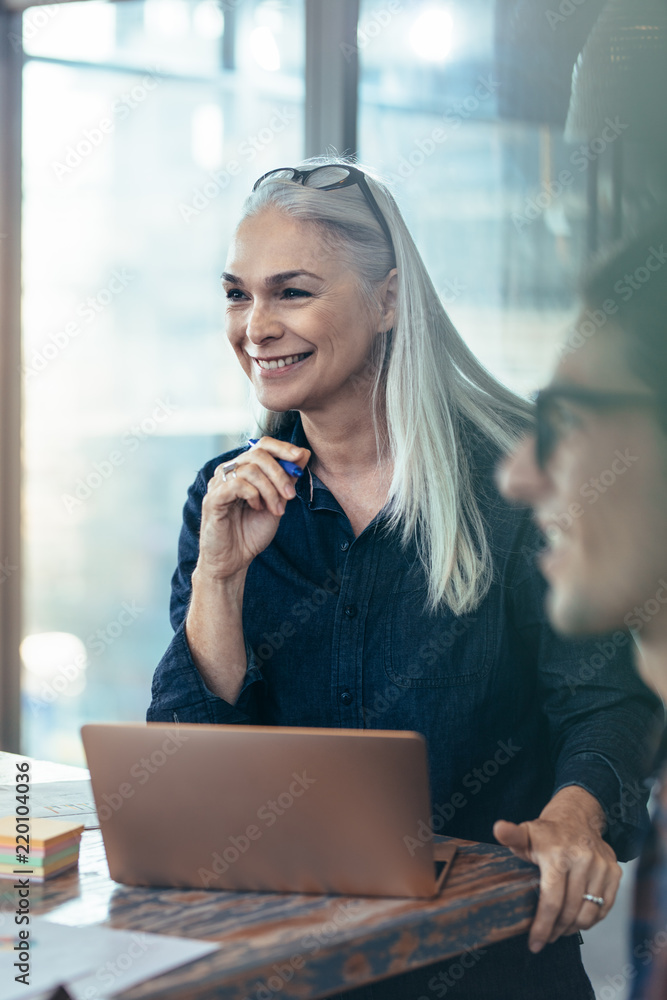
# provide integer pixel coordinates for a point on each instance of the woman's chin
(278, 403)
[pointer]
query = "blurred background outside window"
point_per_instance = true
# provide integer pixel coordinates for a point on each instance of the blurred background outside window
(144, 123)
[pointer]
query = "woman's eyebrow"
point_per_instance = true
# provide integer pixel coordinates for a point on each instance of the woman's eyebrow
(273, 280)
(283, 276)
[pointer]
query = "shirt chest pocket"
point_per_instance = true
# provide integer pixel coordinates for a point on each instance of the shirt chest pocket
(429, 650)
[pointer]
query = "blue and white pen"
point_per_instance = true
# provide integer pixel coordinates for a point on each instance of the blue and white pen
(291, 468)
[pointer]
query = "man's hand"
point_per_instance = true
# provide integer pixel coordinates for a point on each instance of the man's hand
(566, 842)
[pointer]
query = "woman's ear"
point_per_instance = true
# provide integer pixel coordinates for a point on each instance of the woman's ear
(388, 293)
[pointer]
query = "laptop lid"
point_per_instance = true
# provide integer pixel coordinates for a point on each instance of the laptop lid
(254, 808)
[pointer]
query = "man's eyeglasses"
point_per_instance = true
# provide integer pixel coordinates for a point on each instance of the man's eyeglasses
(331, 178)
(551, 420)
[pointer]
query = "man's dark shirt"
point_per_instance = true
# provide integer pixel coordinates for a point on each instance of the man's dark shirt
(337, 635)
(648, 971)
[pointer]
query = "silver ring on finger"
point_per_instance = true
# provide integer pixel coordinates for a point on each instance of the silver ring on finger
(227, 468)
(598, 900)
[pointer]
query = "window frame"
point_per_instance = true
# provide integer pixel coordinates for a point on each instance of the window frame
(11, 65)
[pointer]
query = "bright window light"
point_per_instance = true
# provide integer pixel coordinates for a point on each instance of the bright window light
(207, 136)
(54, 664)
(77, 30)
(431, 35)
(264, 48)
(269, 15)
(167, 17)
(208, 19)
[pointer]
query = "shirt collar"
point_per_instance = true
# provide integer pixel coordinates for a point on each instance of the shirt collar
(309, 488)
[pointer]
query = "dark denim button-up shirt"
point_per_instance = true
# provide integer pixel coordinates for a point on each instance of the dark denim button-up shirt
(337, 635)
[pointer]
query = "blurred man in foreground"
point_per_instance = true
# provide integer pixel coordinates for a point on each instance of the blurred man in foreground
(595, 472)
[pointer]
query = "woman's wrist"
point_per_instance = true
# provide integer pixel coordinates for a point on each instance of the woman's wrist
(226, 588)
(214, 632)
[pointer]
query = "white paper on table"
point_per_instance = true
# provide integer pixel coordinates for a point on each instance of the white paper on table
(134, 957)
(56, 953)
(56, 800)
(40, 770)
(93, 962)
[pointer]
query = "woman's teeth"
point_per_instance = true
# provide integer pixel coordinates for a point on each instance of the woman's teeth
(282, 362)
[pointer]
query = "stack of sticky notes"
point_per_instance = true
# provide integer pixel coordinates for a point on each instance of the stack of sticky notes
(52, 847)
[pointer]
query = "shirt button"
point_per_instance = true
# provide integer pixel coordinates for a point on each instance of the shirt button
(351, 610)
(346, 697)
(344, 546)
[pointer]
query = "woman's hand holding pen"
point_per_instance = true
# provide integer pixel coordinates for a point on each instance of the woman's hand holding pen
(243, 506)
(240, 515)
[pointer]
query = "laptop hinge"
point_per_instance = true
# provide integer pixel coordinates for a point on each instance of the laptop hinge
(443, 852)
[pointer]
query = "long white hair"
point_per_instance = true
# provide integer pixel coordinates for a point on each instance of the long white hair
(425, 382)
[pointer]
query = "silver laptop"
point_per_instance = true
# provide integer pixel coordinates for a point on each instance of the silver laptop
(259, 808)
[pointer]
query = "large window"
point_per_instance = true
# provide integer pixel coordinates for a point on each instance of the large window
(474, 187)
(144, 124)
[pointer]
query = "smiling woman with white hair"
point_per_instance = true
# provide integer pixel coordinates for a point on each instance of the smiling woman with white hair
(356, 566)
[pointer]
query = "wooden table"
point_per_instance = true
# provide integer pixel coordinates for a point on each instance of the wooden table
(297, 946)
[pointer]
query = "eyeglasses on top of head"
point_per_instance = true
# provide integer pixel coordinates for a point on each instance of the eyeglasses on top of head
(546, 434)
(331, 177)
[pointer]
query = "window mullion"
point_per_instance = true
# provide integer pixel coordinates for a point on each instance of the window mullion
(332, 61)
(11, 61)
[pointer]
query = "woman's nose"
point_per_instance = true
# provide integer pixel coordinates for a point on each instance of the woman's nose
(262, 324)
(518, 476)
